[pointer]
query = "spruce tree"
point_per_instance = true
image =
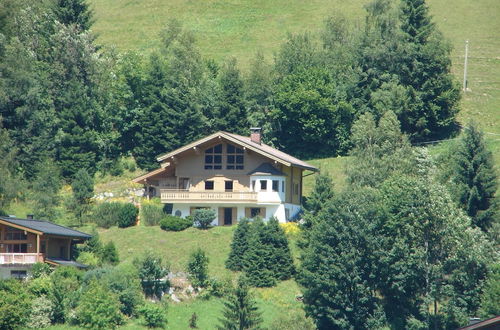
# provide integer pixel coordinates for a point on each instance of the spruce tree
(83, 191)
(473, 178)
(46, 190)
(109, 254)
(259, 257)
(239, 246)
(232, 107)
(197, 268)
(240, 310)
(282, 263)
(322, 193)
(74, 12)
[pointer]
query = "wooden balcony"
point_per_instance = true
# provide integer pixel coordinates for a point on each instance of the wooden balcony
(20, 258)
(184, 196)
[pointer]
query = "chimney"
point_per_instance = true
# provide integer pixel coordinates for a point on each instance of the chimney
(29, 216)
(255, 134)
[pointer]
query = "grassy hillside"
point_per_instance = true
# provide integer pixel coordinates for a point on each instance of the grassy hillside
(175, 248)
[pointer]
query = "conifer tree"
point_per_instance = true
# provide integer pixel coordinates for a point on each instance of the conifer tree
(239, 246)
(240, 310)
(473, 178)
(8, 180)
(322, 193)
(259, 257)
(198, 268)
(74, 12)
(83, 191)
(232, 107)
(282, 263)
(46, 189)
(109, 254)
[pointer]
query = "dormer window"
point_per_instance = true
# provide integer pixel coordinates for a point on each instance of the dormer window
(213, 158)
(235, 158)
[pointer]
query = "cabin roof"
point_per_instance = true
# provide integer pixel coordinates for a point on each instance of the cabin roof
(44, 227)
(266, 169)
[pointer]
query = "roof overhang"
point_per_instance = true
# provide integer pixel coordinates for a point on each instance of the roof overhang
(232, 139)
(13, 225)
(144, 177)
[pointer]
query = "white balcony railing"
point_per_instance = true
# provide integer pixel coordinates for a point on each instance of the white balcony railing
(168, 196)
(20, 258)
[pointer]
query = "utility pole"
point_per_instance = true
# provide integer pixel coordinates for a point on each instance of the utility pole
(465, 64)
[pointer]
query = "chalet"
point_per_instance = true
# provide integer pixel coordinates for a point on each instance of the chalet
(24, 242)
(237, 176)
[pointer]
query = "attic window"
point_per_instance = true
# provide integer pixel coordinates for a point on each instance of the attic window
(213, 158)
(235, 158)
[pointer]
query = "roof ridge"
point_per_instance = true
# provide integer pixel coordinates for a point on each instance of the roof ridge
(45, 221)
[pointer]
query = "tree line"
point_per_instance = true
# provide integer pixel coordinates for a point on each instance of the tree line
(70, 101)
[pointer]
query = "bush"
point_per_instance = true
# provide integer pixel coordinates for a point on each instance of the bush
(15, 304)
(40, 269)
(173, 223)
(89, 259)
(198, 268)
(40, 313)
(153, 275)
(128, 215)
(98, 308)
(154, 315)
(151, 214)
(203, 218)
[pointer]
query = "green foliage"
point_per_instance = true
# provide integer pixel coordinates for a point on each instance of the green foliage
(63, 294)
(240, 310)
(128, 215)
(8, 178)
(115, 213)
(258, 257)
(89, 259)
(46, 188)
(151, 214)
(197, 268)
(15, 303)
(321, 194)
(83, 191)
(296, 321)
(74, 12)
(338, 265)
(193, 321)
(173, 223)
(98, 308)
(110, 254)
(40, 286)
(490, 298)
(40, 313)
(203, 218)
(40, 269)
(152, 273)
(154, 314)
(239, 246)
(472, 178)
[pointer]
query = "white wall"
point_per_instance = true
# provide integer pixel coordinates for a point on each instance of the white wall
(5, 271)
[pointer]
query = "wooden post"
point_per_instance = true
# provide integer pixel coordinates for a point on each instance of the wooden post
(37, 247)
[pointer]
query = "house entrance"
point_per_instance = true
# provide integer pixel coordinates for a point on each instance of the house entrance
(228, 216)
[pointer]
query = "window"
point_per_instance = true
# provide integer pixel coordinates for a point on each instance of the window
(19, 274)
(235, 159)
(228, 185)
(276, 185)
(296, 188)
(282, 186)
(43, 247)
(17, 248)
(254, 212)
(14, 234)
(254, 185)
(213, 158)
(263, 185)
(209, 185)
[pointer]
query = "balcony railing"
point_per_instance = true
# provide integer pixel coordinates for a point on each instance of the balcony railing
(20, 258)
(168, 196)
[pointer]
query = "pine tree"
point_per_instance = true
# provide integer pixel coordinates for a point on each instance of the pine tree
(232, 107)
(83, 191)
(259, 257)
(240, 310)
(239, 246)
(197, 268)
(9, 182)
(473, 179)
(46, 189)
(282, 263)
(109, 254)
(74, 12)
(322, 193)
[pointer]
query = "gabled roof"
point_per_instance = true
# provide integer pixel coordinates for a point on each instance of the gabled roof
(43, 227)
(246, 142)
(266, 169)
(63, 262)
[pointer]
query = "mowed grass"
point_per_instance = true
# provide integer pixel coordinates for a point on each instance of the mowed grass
(175, 247)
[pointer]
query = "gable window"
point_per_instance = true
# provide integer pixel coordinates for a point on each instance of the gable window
(213, 158)
(14, 234)
(234, 158)
(276, 185)
(263, 185)
(228, 185)
(209, 185)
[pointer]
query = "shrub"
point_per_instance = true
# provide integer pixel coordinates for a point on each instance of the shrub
(203, 218)
(40, 313)
(173, 223)
(152, 273)
(40, 269)
(13, 293)
(151, 214)
(154, 315)
(98, 308)
(291, 229)
(193, 321)
(198, 268)
(128, 215)
(110, 254)
(89, 259)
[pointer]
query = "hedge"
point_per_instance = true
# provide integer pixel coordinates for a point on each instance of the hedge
(173, 223)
